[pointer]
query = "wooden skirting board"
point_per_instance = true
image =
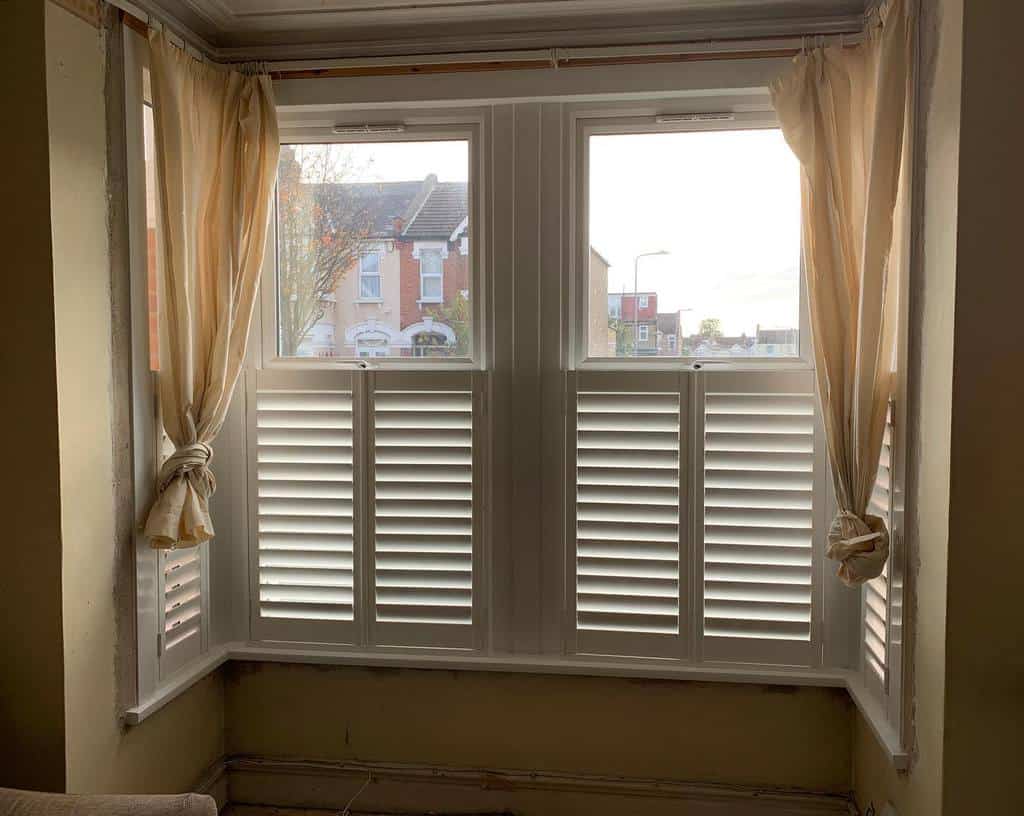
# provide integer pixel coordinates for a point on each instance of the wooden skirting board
(252, 785)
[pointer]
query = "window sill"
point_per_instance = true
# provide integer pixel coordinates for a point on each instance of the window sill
(430, 301)
(368, 300)
(582, 666)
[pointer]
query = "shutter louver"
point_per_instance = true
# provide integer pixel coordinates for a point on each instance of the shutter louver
(758, 521)
(876, 591)
(423, 517)
(627, 522)
(304, 478)
(182, 578)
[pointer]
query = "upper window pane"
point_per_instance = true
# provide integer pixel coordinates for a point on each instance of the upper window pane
(355, 223)
(694, 245)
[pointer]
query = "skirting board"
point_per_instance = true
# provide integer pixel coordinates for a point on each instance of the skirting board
(406, 788)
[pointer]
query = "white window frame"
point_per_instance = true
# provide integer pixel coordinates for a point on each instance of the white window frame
(438, 249)
(644, 302)
(419, 125)
(643, 333)
(617, 119)
(379, 275)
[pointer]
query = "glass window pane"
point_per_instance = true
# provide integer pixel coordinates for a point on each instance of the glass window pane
(694, 245)
(351, 218)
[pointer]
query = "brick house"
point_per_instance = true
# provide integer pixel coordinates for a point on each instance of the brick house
(635, 313)
(401, 297)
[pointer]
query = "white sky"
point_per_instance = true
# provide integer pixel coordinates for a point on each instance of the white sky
(726, 205)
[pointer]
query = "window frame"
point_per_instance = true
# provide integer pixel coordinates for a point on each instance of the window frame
(379, 275)
(618, 119)
(422, 251)
(418, 126)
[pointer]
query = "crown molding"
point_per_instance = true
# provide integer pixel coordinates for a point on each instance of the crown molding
(237, 30)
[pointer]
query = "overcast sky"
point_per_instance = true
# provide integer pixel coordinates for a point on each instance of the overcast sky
(726, 205)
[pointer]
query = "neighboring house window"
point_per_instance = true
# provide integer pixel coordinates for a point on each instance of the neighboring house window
(429, 344)
(642, 333)
(369, 276)
(672, 342)
(643, 301)
(431, 287)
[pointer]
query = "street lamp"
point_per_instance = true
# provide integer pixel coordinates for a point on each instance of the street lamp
(636, 300)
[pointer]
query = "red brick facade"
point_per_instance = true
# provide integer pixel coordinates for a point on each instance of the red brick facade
(455, 277)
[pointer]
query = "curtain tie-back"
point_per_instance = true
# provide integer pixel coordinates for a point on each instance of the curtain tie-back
(861, 545)
(193, 458)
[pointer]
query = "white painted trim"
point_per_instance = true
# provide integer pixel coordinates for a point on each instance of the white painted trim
(874, 711)
(178, 684)
(694, 798)
(430, 326)
(582, 666)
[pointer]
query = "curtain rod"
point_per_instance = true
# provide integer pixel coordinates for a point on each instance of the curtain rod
(767, 47)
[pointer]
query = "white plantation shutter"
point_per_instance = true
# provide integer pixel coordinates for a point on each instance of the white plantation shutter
(626, 561)
(304, 516)
(876, 591)
(424, 524)
(181, 613)
(760, 475)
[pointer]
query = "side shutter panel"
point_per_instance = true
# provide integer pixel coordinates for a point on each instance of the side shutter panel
(627, 589)
(876, 591)
(423, 517)
(182, 613)
(304, 512)
(758, 517)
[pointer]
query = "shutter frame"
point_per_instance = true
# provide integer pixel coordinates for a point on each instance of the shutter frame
(640, 390)
(763, 402)
(386, 508)
(344, 629)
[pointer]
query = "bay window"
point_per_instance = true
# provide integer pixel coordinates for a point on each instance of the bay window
(587, 439)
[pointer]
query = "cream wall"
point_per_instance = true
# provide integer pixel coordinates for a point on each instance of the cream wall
(31, 670)
(984, 698)
(59, 723)
(730, 733)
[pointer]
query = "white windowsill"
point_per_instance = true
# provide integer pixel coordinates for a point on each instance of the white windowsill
(429, 301)
(368, 300)
(584, 666)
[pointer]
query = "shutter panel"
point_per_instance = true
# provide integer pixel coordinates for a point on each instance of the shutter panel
(423, 522)
(181, 575)
(876, 591)
(759, 464)
(627, 560)
(305, 535)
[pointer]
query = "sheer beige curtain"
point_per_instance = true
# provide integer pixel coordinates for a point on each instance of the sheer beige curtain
(216, 159)
(844, 112)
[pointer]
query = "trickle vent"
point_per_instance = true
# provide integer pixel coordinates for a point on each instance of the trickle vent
(758, 485)
(183, 602)
(423, 507)
(304, 483)
(876, 591)
(627, 512)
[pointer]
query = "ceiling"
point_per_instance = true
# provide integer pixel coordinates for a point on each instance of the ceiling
(279, 28)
